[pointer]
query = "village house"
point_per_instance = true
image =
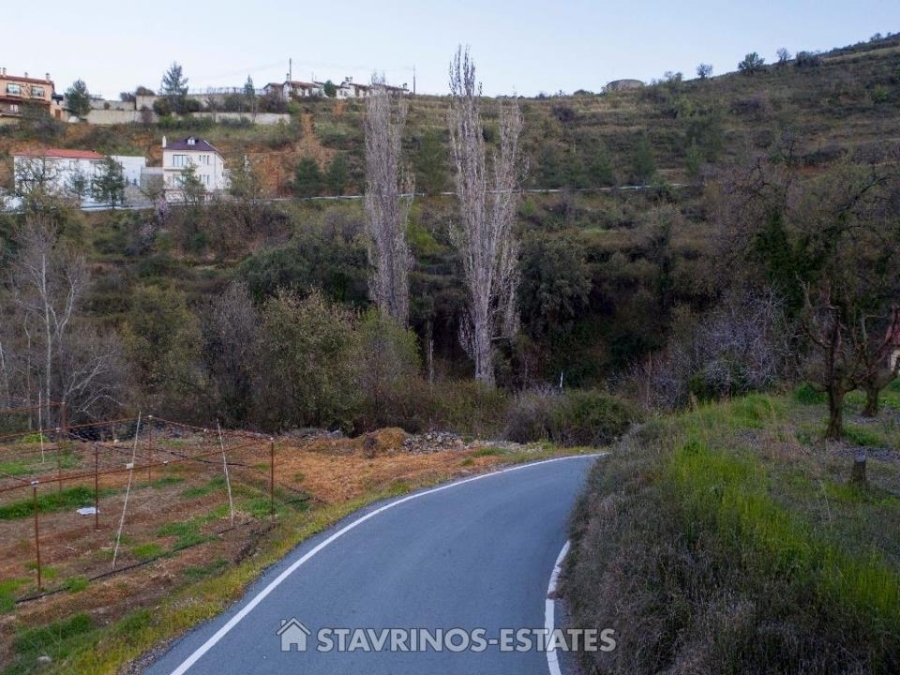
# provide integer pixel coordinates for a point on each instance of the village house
(302, 89)
(68, 173)
(192, 155)
(17, 94)
(345, 90)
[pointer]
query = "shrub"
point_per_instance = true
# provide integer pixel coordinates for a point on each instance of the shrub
(807, 60)
(577, 417)
(530, 416)
(386, 364)
(162, 107)
(468, 407)
(590, 417)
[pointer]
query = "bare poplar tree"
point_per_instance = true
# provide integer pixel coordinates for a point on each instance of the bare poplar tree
(386, 208)
(487, 198)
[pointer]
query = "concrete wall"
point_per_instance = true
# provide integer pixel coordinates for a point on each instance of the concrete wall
(259, 118)
(107, 117)
(104, 104)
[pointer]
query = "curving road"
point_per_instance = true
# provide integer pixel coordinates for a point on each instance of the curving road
(459, 568)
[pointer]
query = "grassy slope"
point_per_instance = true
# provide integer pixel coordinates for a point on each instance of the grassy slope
(728, 540)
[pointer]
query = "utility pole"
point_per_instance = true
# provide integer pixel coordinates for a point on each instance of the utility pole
(290, 70)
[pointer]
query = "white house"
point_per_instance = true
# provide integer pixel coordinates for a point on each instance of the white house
(132, 167)
(192, 153)
(57, 172)
(303, 89)
(67, 173)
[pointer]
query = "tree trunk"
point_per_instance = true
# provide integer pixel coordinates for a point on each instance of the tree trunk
(835, 430)
(872, 401)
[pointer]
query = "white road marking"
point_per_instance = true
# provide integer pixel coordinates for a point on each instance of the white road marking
(259, 597)
(549, 611)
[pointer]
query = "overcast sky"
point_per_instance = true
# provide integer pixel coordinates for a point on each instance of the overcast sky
(526, 47)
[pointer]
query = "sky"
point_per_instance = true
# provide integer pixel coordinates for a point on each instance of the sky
(526, 47)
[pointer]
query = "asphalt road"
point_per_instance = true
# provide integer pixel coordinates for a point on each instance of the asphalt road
(459, 569)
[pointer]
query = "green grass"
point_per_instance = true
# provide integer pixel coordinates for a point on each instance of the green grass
(487, 452)
(166, 481)
(18, 467)
(186, 533)
(214, 485)
(57, 640)
(49, 502)
(866, 436)
(8, 592)
(203, 571)
(147, 551)
(77, 583)
(730, 495)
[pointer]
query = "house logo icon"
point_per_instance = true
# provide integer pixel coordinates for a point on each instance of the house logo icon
(293, 634)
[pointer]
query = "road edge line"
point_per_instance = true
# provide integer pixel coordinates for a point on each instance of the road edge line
(550, 611)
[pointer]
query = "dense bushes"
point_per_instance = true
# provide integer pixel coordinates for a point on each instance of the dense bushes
(577, 417)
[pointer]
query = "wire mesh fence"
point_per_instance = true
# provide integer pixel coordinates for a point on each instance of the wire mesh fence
(80, 503)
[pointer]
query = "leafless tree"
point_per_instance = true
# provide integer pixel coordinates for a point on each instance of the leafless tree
(386, 207)
(230, 328)
(67, 360)
(487, 198)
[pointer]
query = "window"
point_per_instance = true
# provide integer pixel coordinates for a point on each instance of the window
(14, 89)
(204, 159)
(205, 178)
(37, 92)
(179, 160)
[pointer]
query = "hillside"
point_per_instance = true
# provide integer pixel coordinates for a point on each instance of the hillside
(846, 102)
(633, 257)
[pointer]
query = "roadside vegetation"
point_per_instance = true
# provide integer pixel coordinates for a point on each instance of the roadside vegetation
(732, 539)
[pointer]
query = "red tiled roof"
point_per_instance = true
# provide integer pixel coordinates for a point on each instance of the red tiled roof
(57, 153)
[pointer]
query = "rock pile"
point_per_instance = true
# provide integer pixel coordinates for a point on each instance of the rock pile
(433, 441)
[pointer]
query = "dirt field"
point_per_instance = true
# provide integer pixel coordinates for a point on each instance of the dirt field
(179, 525)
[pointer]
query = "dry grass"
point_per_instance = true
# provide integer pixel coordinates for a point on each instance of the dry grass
(318, 481)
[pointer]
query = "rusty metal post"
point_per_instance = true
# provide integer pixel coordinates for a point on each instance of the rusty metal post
(96, 487)
(37, 534)
(58, 461)
(150, 449)
(272, 477)
(65, 422)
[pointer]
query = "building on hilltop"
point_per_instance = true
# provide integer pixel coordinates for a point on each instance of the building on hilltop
(18, 94)
(623, 85)
(57, 172)
(192, 156)
(346, 89)
(70, 174)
